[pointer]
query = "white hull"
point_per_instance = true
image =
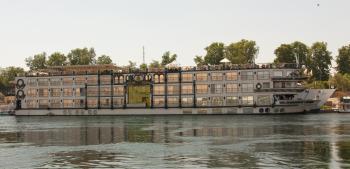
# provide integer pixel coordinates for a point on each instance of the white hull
(169, 111)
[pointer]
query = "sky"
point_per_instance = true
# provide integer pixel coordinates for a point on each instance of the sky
(185, 27)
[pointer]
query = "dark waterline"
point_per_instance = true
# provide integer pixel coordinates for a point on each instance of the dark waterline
(274, 141)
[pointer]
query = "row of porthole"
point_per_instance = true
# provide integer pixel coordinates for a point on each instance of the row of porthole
(275, 110)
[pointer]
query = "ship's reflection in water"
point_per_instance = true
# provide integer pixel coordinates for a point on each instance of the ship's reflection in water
(289, 141)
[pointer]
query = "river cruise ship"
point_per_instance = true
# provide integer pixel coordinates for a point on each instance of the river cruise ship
(221, 89)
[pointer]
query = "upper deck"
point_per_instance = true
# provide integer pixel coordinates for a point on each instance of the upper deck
(112, 69)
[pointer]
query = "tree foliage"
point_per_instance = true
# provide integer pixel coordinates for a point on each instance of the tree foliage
(215, 53)
(83, 56)
(320, 61)
(6, 76)
(36, 62)
(104, 59)
(341, 81)
(168, 58)
(199, 61)
(243, 51)
(155, 64)
(287, 53)
(343, 59)
(143, 66)
(56, 59)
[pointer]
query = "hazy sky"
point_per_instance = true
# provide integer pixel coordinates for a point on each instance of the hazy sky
(120, 28)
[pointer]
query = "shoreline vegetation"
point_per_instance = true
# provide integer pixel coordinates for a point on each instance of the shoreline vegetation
(316, 60)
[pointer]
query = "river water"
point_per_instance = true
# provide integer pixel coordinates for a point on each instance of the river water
(236, 141)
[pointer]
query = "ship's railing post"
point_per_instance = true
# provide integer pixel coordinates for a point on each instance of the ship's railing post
(151, 91)
(166, 89)
(194, 94)
(180, 94)
(112, 89)
(86, 93)
(98, 90)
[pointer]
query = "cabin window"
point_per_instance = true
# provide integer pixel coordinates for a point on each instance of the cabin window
(277, 84)
(43, 82)
(105, 79)
(118, 102)
(201, 88)
(217, 101)
(55, 82)
(55, 92)
(173, 101)
(31, 92)
(68, 103)
(232, 101)
(118, 90)
(289, 84)
(187, 77)
(92, 103)
(79, 103)
(263, 75)
(156, 78)
(92, 91)
(80, 92)
(31, 103)
(266, 85)
(187, 89)
(216, 88)
(67, 92)
(247, 87)
(55, 103)
(231, 88)
(263, 100)
(43, 92)
(173, 89)
(105, 102)
(105, 91)
(231, 76)
(277, 73)
(202, 101)
(79, 80)
(67, 81)
(43, 103)
(187, 101)
(247, 100)
(158, 89)
(202, 76)
(216, 76)
(161, 78)
(158, 101)
(92, 80)
(32, 82)
(174, 77)
(247, 75)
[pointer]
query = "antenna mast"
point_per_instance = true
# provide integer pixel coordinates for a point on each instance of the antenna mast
(143, 54)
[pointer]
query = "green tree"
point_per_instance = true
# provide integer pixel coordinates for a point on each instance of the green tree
(199, 61)
(243, 51)
(215, 53)
(286, 53)
(143, 66)
(343, 59)
(6, 76)
(36, 62)
(320, 61)
(104, 59)
(168, 58)
(57, 59)
(83, 56)
(131, 65)
(155, 64)
(341, 81)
